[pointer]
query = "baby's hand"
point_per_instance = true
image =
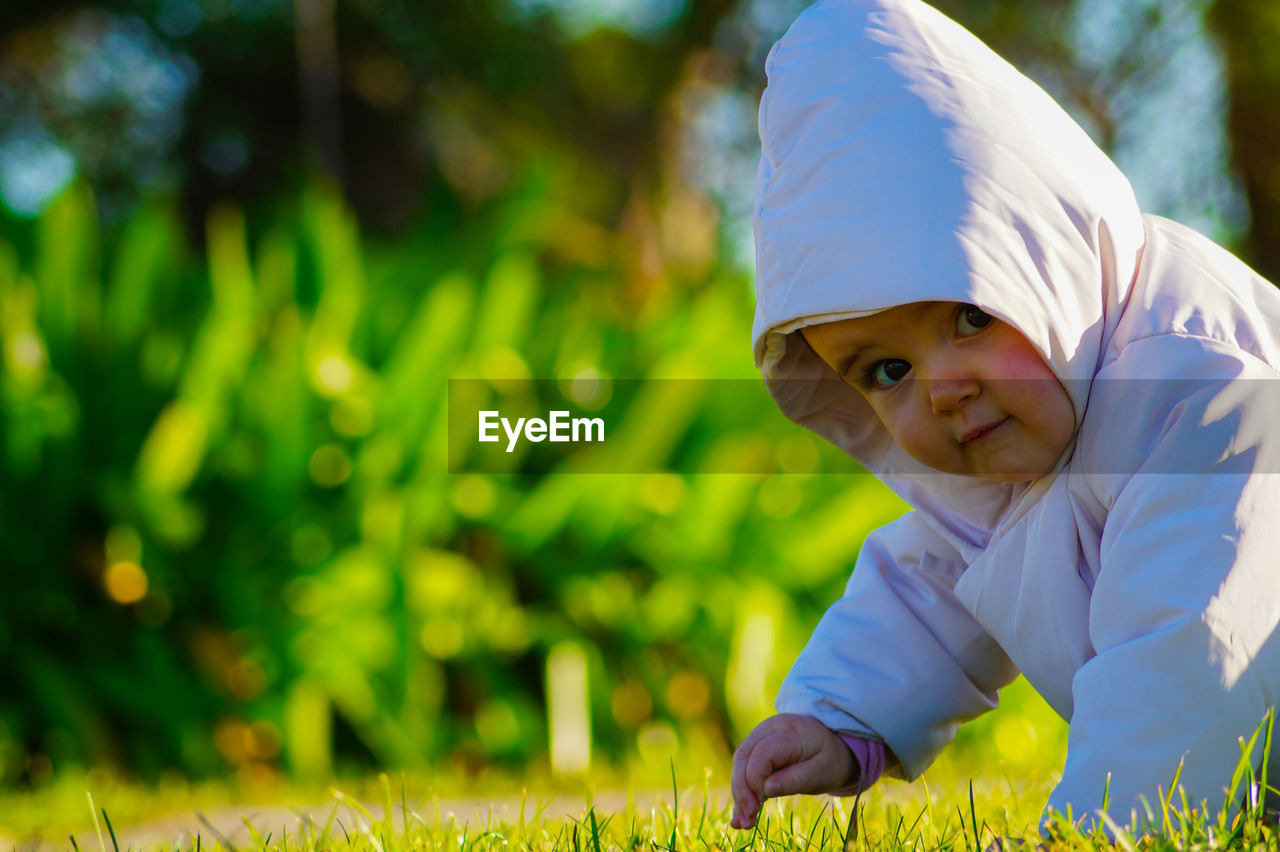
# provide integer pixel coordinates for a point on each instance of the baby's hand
(786, 754)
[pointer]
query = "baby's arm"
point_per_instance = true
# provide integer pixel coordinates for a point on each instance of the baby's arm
(898, 659)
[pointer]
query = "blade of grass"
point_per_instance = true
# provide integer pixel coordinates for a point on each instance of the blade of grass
(963, 833)
(388, 813)
(808, 843)
(352, 804)
(706, 800)
(222, 838)
(111, 830)
(1146, 808)
(404, 803)
(1121, 836)
(1167, 802)
(1243, 768)
(851, 830)
(328, 826)
(675, 808)
(255, 836)
(96, 826)
(916, 822)
(973, 815)
(595, 831)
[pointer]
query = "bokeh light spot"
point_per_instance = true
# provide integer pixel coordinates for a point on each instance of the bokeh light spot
(310, 544)
(657, 743)
(234, 740)
(245, 678)
(441, 638)
(329, 466)
(33, 169)
(779, 497)
(264, 740)
(474, 496)
(662, 493)
(510, 631)
(384, 82)
(27, 351)
(497, 725)
(123, 544)
(335, 374)
(226, 153)
(125, 582)
(797, 454)
(688, 694)
(630, 703)
(589, 388)
(501, 363)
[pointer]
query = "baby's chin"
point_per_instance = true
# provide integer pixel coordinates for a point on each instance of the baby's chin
(1012, 475)
(1010, 478)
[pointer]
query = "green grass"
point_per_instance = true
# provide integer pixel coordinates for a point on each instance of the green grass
(944, 811)
(985, 787)
(380, 815)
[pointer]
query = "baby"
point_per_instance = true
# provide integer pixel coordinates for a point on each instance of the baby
(1077, 399)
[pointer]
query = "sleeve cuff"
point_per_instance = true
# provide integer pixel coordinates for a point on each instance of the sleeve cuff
(868, 757)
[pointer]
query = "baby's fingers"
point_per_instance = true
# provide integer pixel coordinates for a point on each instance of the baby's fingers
(746, 803)
(775, 756)
(756, 758)
(764, 779)
(802, 777)
(746, 795)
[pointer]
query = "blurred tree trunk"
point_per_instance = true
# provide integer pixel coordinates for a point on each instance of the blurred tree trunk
(1248, 33)
(318, 81)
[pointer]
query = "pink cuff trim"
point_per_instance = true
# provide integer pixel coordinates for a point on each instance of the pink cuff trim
(868, 756)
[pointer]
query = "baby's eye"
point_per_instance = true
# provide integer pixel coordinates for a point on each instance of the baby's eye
(885, 374)
(971, 320)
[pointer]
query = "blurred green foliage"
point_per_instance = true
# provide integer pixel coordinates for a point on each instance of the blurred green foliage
(232, 542)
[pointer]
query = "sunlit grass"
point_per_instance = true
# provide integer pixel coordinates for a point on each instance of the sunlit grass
(947, 813)
(609, 811)
(947, 810)
(1013, 754)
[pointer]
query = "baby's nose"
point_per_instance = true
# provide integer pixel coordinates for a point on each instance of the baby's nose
(947, 393)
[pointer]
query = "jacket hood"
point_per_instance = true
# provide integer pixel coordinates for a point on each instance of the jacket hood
(903, 161)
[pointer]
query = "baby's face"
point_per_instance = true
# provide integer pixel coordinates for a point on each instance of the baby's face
(957, 389)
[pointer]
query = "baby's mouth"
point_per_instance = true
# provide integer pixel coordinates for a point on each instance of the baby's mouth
(978, 432)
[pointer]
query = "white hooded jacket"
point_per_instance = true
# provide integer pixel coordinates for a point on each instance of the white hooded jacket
(1138, 585)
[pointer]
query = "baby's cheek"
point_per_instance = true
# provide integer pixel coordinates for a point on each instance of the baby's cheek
(1021, 363)
(929, 445)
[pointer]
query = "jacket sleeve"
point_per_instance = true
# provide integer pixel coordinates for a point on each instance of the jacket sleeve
(1185, 605)
(898, 658)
